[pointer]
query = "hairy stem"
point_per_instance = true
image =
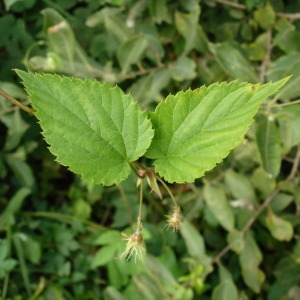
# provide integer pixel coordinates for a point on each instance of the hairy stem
(168, 190)
(16, 102)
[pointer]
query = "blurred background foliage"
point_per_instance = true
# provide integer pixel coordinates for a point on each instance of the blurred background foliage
(240, 238)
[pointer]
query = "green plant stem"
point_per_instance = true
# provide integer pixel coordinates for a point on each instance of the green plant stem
(141, 201)
(231, 3)
(286, 104)
(6, 279)
(139, 218)
(16, 102)
(39, 289)
(92, 227)
(22, 262)
(167, 189)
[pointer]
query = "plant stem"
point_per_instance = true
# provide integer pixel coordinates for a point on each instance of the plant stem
(16, 102)
(231, 3)
(168, 190)
(262, 206)
(140, 204)
(267, 57)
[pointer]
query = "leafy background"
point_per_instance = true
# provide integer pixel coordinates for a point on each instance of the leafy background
(240, 237)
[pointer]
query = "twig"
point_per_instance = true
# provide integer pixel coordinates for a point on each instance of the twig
(141, 72)
(249, 224)
(260, 209)
(267, 57)
(263, 205)
(295, 165)
(16, 102)
(291, 17)
(232, 4)
(286, 104)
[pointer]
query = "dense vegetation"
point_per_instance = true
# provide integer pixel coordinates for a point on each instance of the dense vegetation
(60, 235)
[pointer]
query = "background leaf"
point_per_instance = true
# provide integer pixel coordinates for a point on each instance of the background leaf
(286, 65)
(194, 130)
(219, 206)
(193, 239)
(280, 229)
(225, 290)
(183, 69)
(268, 142)
(233, 62)
(94, 129)
(129, 53)
(250, 258)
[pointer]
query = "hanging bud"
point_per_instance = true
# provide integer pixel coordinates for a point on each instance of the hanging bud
(175, 219)
(134, 246)
(152, 181)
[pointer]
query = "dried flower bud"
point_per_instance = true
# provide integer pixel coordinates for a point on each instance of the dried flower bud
(175, 219)
(134, 244)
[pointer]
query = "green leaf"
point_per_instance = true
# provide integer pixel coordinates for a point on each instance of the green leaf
(92, 128)
(111, 293)
(99, 17)
(265, 16)
(236, 241)
(21, 170)
(287, 271)
(268, 142)
(289, 124)
(224, 273)
(193, 240)
(280, 229)
(282, 67)
(159, 11)
(109, 237)
(60, 35)
(183, 69)
(195, 130)
(81, 209)
(17, 128)
(186, 24)
(116, 27)
(104, 255)
(129, 53)
(240, 186)
(263, 182)
(233, 62)
(16, 201)
(281, 201)
(225, 290)
(219, 206)
(250, 258)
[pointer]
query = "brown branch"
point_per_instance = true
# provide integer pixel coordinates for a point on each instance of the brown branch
(295, 166)
(16, 102)
(141, 72)
(291, 17)
(268, 200)
(267, 57)
(249, 224)
(232, 4)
